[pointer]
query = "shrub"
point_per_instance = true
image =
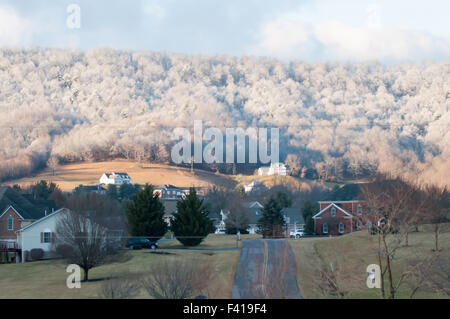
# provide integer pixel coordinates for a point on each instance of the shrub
(124, 287)
(36, 253)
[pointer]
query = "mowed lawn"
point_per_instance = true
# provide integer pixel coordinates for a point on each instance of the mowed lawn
(47, 279)
(352, 253)
(88, 173)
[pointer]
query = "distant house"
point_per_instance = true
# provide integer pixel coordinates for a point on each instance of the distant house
(170, 209)
(293, 218)
(18, 210)
(254, 213)
(341, 217)
(255, 187)
(273, 169)
(170, 192)
(115, 179)
(40, 234)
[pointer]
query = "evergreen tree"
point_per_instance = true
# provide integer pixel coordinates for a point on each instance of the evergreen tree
(272, 223)
(191, 224)
(112, 192)
(283, 199)
(309, 209)
(146, 217)
(126, 191)
(43, 189)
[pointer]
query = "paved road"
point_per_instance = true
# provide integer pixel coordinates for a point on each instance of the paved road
(266, 269)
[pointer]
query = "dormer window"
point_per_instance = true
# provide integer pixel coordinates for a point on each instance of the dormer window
(333, 211)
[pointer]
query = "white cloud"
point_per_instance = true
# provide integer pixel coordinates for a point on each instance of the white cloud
(14, 30)
(290, 37)
(155, 11)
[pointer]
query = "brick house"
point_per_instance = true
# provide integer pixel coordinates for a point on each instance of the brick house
(18, 210)
(341, 217)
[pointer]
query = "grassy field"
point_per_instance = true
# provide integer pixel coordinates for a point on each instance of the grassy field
(352, 254)
(88, 173)
(47, 279)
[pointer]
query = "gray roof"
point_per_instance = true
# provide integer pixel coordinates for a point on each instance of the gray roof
(28, 207)
(293, 215)
(253, 213)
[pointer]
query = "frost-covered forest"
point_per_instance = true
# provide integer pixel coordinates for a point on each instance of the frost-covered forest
(335, 120)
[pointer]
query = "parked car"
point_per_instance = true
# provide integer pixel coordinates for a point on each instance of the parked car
(220, 231)
(296, 233)
(138, 243)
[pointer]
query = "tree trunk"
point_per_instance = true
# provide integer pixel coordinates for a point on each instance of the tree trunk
(436, 237)
(406, 239)
(86, 271)
(380, 263)
(388, 268)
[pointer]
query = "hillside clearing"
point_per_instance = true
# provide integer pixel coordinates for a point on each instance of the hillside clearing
(88, 173)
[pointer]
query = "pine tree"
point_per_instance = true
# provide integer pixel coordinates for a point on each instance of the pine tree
(112, 192)
(191, 224)
(146, 215)
(272, 223)
(309, 209)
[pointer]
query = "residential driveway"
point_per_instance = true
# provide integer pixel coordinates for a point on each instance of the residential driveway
(266, 269)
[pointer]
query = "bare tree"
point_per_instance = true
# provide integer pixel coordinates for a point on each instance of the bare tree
(237, 218)
(332, 280)
(392, 212)
(437, 209)
(53, 163)
(119, 287)
(178, 279)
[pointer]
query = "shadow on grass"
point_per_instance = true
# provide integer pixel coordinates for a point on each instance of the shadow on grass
(161, 253)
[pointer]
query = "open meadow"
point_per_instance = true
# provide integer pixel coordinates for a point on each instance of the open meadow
(88, 173)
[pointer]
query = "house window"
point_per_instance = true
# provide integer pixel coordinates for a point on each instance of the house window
(325, 228)
(47, 237)
(359, 210)
(333, 211)
(358, 225)
(341, 228)
(10, 223)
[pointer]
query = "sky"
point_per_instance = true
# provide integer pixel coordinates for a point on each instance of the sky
(388, 31)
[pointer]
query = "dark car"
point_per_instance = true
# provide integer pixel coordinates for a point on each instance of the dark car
(138, 243)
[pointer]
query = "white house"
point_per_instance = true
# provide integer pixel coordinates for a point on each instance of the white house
(115, 179)
(171, 192)
(253, 211)
(255, 187)
(40, 234)
(273, 169)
